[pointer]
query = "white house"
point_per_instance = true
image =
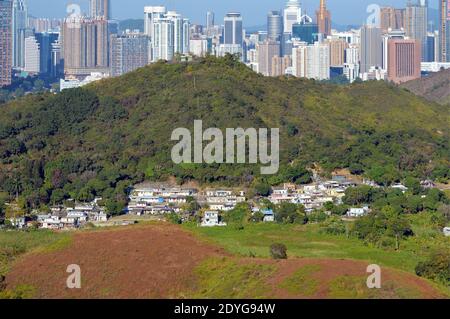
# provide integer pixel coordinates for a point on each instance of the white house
(211, 219)
(446, 231)
(358, 212)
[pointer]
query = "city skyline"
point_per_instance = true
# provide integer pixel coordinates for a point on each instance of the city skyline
(253, 15)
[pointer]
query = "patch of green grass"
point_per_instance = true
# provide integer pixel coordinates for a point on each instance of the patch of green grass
(355, 287)
(16, 243)
(228, 278)
(20, 292)
(302, 281)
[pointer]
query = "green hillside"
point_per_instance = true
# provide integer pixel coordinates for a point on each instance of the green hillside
(100, 139)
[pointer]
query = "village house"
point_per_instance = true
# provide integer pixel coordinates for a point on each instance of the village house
(446, 231)
(212, 219)
(358, 212)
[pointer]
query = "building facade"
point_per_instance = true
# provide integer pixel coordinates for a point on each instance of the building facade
(292, 14)
(129, 52)
(5, 42)
(404, 60)
(371, 51)
(19, 26)
(100, 9)
(274, 26)
(444, 30)
(416, 24)
(324, 19)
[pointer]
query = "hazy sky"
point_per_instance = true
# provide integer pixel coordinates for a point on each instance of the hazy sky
(254, 11)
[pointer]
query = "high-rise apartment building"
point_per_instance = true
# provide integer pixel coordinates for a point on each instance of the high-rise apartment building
(444, 30)
(337, 51)
(274, 26)
(210, 19)
(100, 9)
(416, 24)
(266, 51)
(19, 27)
(311, 61)
(292, 14)
(32, 55)
(85, 46)
(404, 60)
(150, 15)
(5, 42)
(371, 49)
(324, 19)
(129, 52)
(392, 18)
(280, 64)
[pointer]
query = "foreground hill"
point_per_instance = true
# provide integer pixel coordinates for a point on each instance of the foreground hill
(435, 88)
(164, 261)
(100, 139)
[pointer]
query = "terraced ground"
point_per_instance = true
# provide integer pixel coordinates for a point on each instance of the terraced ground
(167, 261)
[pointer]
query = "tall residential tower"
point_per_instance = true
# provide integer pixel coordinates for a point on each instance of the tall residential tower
(5, 42)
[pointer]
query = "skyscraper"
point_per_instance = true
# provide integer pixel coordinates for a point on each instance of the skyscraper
(371, 54)
(150, 15)
(5, 42)
(392, 18)
(32, 55)
(274, 26)
(311, 61)
(416, 24)
(233, 32)
(46, 41)
(337, 51)
(306, 32)
(128, 52)
(209, 19)
(324, 19)
(404, 60)
(292, 14)
(444, 30)
(84, 46)
(19, 25)
(266, 51)
(100, 8)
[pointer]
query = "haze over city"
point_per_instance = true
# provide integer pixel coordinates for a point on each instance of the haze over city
(345, 12)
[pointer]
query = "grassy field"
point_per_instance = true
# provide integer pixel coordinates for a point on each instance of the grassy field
(307, 241)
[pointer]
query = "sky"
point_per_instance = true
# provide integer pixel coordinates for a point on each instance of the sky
(344, 12)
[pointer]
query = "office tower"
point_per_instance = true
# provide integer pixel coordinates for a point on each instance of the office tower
(19, 26)
(404, 60)
(416, 24)
(129, 52)
(292, 14)
(306, 32)
(150, 15)
(280, 64)
(337, 51)
(431, 46)
(324, 19)
(392, 18)
(32, 55)
(100, 9)
(371, 52)
(57, 68)
(392, 34)
(40, 25)
(233, 32)
(274, 26)
(5, 42)
(84, 46)
(444, 31)
(266, 51)
(311, 61)
(46, 41)
(209, 19)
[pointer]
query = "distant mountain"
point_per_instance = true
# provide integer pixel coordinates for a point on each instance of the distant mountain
(131, 24)
(435, 87)
(100, 139)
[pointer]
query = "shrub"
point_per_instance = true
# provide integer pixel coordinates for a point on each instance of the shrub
(278, 251)
(437, 267)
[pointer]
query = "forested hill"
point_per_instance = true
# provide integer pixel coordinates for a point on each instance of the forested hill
(435, 87)
(100, 139)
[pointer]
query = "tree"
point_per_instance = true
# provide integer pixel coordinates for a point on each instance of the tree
(238, 216)
(436, 267)
(289, 213)
(263, 189)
